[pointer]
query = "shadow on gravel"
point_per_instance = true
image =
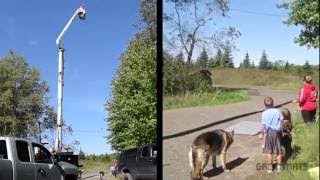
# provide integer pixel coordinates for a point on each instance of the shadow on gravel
(230, 165)
(218, 122)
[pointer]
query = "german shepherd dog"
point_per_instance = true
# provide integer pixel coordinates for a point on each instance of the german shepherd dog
(212, 143)
(286, 128)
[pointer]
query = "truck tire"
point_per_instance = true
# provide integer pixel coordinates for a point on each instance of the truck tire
(127, 176)
(71, 177)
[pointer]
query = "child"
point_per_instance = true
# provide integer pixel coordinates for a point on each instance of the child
(271, 132)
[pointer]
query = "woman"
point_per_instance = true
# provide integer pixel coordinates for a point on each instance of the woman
(308, 100)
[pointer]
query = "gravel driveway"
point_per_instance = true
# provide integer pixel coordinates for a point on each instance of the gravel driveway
(244, 153)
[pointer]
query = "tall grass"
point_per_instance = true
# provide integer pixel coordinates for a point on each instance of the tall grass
(257, 77)
(212, 98)
(306, 137)
(306, 144)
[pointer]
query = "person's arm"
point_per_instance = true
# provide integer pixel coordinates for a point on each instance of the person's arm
(262, 130)
(263, 126)
(302, 97)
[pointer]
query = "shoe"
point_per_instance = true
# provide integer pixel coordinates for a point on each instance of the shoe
(269, 168)
(278, 168)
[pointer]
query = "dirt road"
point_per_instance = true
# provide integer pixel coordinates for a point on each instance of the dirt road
(244, 153)
(94, 175)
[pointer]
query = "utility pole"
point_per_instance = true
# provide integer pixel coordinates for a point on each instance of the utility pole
(39, 131)
(81, 13)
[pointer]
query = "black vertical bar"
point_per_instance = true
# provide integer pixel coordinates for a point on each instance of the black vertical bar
(159, 88)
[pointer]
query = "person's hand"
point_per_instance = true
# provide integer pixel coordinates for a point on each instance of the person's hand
(295, 100)
(260, 136)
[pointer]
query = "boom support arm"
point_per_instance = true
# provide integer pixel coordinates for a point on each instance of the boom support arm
(81, 13)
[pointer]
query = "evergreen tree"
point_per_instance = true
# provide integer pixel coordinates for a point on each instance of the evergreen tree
(287, 66)
(218, 58)
(253, 65)
(264, 63)
(246, 61)
(212, 63)
(203, 59)
(307, 67)
(227, 57)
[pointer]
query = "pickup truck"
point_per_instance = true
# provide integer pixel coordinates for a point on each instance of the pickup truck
(138, 163)
(21, 159)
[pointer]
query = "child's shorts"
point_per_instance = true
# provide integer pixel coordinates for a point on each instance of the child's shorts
(272, 143)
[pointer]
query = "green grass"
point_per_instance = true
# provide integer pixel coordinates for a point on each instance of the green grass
(95, 165)
(306, 138)
(259, 78)
(213, 98)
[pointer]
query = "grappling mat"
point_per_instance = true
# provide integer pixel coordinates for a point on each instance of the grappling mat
(245, 128)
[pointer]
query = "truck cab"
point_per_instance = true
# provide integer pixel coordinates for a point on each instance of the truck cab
(23, 159)
(138, 163)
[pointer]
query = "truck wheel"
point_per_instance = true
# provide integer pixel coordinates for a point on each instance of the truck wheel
(127, 176)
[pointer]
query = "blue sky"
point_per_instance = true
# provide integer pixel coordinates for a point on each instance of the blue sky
(93, 48)
(261, 32)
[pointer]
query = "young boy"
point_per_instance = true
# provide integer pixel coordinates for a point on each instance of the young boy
(271, 132)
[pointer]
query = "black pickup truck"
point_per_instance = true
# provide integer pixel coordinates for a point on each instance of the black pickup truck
(138, 163)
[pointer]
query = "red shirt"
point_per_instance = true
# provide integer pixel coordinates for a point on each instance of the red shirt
(308, 97)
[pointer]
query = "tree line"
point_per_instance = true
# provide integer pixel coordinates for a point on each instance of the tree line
(98, 157)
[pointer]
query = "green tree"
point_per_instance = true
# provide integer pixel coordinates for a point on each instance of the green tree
(179, 58)
(304, 13)
(226, 60)
(218, 58)
(212, 63)
(188, 18)
(287, 66)
(132, 107)
(264, 62)
(149, 18)
(203, 59)
(23, 100)
(252, 64)
(246, 61)
(82, 155)
(278, 65)
(307, 67)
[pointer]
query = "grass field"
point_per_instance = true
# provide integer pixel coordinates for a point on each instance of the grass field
(95, 165)
(306, 142)
(215, 97)
(261, 78)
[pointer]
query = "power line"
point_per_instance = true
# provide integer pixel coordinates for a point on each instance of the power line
(258, 13)
(88, 131)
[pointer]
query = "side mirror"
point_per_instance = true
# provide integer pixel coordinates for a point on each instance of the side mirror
(55, 161)
(154, 154)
